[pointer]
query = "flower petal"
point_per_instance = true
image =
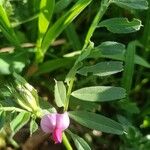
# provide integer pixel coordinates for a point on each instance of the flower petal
(48, 123)
(57, 135)
(62, 121)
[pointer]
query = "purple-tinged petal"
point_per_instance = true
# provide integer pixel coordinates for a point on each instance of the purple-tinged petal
(57, 135)
(48, 123)
(63, 121)
(55, 123)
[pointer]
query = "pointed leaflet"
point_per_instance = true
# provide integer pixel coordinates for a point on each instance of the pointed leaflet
(99, 93)
(102, 68)
(121, 25)
(96, 122)
(60, 93)
(131, 4)
(79, 142)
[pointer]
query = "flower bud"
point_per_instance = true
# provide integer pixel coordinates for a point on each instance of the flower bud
(24, 94)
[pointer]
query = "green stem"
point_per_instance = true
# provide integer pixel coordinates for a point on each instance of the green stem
(14, 143)
(69, 92)
(66, 142)
(98, 17)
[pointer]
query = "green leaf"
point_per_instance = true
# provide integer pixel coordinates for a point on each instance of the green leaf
(129, 66)
(60, 93)
(131, 4)
(116, 51)
(102, 68)
(137, 60)
(46, 107)
(24, 94)
(2, 119)
(128, 106)
(124, 121)
(111, 47)
(4, 67)
(107, 48)
(140, 61)
(79, 142)
(10, 62)
(121, 25)
(6, 28)
(46, 11)
(76, 104)
(33, 126)
(99, 93)
(110, 50)
(61, 5)
(63, 22)
(18, 122)
(73, 37)
(97, 122)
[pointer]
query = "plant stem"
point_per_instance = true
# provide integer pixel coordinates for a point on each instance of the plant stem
(69, 92)
(103, 7)
(66, 142)
(13, 142)
(98, 17)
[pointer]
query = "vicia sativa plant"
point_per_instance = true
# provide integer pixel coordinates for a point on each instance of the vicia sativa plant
(80, 84)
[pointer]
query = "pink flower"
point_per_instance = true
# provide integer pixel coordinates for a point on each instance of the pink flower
(55, 123)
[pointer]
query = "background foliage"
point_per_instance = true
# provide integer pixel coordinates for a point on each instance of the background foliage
(88, 57)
